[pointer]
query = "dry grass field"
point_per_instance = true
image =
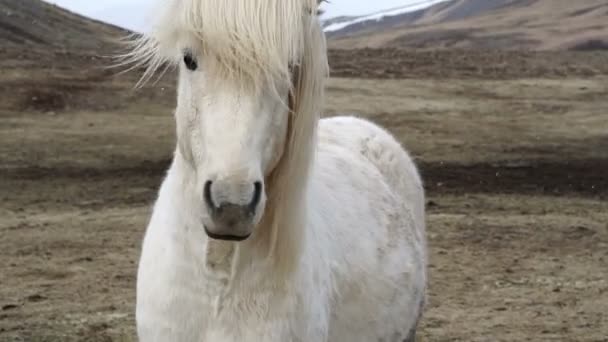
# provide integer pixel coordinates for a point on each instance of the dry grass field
(512, 147)
(516, 170)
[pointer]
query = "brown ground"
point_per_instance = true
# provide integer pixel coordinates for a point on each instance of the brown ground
(515, 169)
(466, 64)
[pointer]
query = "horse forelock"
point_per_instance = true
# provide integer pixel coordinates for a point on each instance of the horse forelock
(246, 38)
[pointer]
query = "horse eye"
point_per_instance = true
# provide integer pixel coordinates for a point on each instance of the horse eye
(190, 61)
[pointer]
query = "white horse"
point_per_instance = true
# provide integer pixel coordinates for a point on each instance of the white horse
(273, 224)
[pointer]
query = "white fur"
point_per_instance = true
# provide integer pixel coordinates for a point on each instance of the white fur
(338, 247)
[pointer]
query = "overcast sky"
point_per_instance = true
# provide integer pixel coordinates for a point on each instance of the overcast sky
(131, 13)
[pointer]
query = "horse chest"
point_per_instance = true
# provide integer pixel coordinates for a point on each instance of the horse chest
(235, 318)
(179, 303)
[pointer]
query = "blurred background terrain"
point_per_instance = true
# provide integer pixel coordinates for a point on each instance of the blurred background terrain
(503, 103)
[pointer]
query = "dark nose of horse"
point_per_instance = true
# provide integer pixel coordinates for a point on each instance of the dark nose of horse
(231, 221)
(219, 208)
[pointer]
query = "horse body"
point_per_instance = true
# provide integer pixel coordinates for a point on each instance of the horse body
(272, 224)
(372, 203)
(362, 273)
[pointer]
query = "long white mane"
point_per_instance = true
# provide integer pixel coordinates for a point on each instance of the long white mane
(255, 43)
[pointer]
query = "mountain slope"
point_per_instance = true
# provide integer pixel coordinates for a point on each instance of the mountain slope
(410, 12)
(37, 25)
(523, 24)
(54, 60)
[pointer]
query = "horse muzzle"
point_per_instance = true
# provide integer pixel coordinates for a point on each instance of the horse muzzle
(231, 221)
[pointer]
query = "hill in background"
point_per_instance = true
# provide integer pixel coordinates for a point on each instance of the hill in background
(496, 24)
(54, 60)
(40, 26)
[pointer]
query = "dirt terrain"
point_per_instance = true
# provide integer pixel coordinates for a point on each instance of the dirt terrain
(512, 147)
(488, 64)
(515, 169)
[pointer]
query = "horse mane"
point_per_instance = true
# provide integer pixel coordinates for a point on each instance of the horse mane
(246, 37)
(288, 183)
(259, 42)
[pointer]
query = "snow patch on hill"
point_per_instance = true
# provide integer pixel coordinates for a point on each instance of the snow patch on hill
(378, 16)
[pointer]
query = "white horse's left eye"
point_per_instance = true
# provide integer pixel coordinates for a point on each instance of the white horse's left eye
(190, 61)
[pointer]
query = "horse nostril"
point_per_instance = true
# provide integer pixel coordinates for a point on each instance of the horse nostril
(227, 208)
(257, 196)
(207, 195)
